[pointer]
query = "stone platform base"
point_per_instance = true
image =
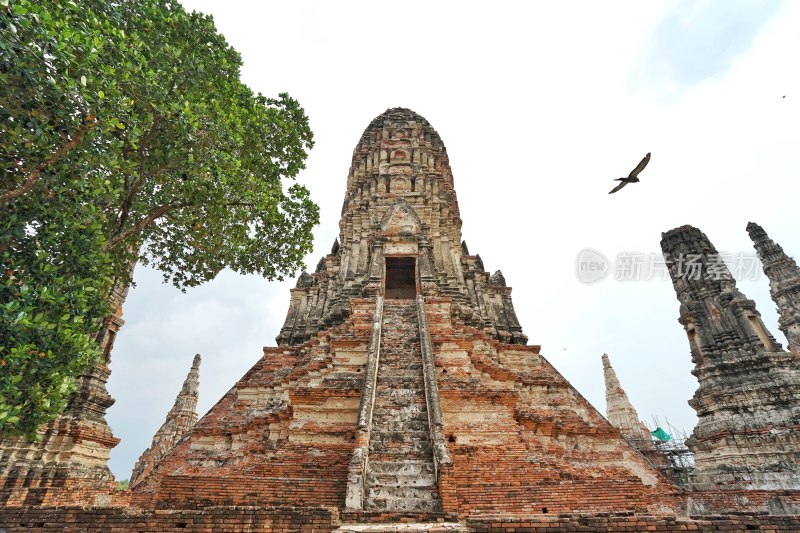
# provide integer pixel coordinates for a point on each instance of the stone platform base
(327, 520)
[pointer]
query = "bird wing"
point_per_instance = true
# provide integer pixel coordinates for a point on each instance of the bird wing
(618, 187)
(640, 166)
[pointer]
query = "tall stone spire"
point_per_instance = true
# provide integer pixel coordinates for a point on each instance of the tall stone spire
(748, 397)
(180, 419)
(619, 410)
(784, 283)
(400, 214)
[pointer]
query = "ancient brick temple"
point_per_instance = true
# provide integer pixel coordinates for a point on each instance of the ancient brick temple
(403, 391)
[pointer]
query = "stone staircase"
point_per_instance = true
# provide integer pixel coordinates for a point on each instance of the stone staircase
(400, 471)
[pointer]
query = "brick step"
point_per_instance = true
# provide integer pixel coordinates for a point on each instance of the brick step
(405, 381)
(412, 408)
(400, 448)
(402, 392)
(395, 491)
(387, 425)
(399, 412)
(402, 354)
(400, 406)
(420, 424)
(381, 457)
(384, 463)
(400, 373)
(402, 480)
(407, 363)
(405, 468)
(427, 503)
(396, 417)
(403, 435)
(395, 354)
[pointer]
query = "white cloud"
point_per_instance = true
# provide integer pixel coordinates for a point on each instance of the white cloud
(694, 41)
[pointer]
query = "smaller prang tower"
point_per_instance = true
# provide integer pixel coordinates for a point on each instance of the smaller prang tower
(748, 399)
(621, 413)
(784, 284)
(180, 419)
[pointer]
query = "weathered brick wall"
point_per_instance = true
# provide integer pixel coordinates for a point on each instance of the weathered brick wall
(638, 524)
(283, 435)
(291, 483)
(60, 490)
(739, 501)
(216, 520)
(300, 519)
(523, 440)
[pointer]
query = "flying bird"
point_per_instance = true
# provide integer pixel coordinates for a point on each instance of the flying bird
(633, 177)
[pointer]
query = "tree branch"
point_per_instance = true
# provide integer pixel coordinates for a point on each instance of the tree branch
(132, 188)
(149, 135)
(53, 158)
(152, 215)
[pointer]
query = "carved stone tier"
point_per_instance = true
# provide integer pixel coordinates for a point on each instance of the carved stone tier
(400, 203)
(748, 398)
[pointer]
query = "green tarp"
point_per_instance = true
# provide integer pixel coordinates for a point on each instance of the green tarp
(661, 435)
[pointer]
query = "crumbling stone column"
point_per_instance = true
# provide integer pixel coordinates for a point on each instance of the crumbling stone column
(784, 284)
(748, 398)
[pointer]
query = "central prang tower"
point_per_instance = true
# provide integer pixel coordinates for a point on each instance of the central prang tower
(402, 388)
(399, 236)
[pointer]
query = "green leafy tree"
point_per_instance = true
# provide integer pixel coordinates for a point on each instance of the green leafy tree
(125, 125)
(52, 297)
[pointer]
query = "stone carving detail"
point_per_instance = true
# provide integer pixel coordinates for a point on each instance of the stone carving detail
(400, 200)
(180, 419)
(784, 284)
(748, 397)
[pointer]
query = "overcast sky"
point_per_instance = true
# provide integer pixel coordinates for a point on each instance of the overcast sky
(540, 105)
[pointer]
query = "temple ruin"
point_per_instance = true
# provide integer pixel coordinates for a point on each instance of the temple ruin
(403, 395)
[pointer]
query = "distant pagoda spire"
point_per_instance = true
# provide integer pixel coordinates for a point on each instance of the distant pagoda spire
(619, 410)
(180, 419)
(784, 283)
